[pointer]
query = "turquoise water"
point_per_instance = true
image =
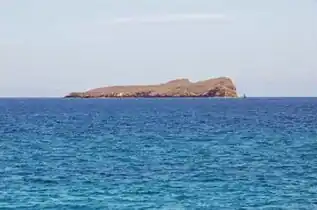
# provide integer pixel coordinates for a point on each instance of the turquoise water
(158, 154)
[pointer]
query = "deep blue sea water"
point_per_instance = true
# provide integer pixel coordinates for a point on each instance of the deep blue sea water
(256, 153)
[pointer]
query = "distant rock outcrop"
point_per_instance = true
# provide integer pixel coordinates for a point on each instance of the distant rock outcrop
(218, 87)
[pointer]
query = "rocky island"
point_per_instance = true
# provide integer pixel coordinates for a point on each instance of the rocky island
(217, 87)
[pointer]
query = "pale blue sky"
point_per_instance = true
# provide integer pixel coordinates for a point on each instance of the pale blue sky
(50, 48)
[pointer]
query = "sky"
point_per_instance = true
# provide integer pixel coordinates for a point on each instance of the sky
(50, 48)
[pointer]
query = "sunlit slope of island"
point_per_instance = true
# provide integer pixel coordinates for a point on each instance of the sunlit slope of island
(217, 87)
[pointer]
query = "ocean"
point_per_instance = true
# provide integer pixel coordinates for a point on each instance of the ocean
(254, 153)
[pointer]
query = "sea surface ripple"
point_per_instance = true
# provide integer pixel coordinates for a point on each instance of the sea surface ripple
(255, 153)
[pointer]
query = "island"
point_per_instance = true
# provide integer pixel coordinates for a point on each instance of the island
(215, 87)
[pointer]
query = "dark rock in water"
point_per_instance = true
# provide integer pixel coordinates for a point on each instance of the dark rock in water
(218, 87)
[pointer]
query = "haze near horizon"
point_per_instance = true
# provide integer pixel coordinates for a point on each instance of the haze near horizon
(51, 48)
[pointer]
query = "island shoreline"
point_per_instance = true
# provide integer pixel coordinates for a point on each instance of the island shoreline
(221, 87)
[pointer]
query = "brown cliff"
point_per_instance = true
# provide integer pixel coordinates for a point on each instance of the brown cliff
(218, 87)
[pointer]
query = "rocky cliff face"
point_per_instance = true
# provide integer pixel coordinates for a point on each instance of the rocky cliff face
(218, 87)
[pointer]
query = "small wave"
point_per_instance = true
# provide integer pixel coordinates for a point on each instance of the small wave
(173, 207)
